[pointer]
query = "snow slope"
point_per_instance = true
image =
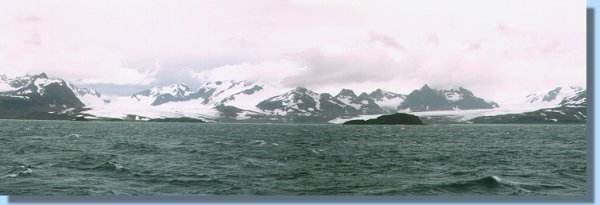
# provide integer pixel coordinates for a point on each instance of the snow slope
(552, 98)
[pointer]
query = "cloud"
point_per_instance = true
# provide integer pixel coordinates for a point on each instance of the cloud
(84, 65)
(386, 40)
(353, 66)
(322, 44)
(29, 45)
(489, 64)
(267, 72)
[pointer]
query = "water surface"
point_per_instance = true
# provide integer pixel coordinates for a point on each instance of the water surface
(133, 158)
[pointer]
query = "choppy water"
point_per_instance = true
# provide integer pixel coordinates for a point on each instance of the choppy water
(123, 158)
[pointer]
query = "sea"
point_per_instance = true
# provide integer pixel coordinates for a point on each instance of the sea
(69, 158)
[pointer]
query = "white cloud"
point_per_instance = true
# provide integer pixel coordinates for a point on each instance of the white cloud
(32, 43)
(350, 66)
(268, 72)
(78, 64)
(397, 45)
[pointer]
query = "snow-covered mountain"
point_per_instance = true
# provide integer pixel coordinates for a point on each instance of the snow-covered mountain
(29, 95)
(244, 95)
(32, 86)
(554, 97)
(215, 100)
(229, 93)
(363, 102)
(212, 100)
(303, 102)
(572, 108)
(39, 96)
(388, 101)
(560, 105)
(164, 94)
(577, 100)
(89, 97)
(429, 99)
(297, 101)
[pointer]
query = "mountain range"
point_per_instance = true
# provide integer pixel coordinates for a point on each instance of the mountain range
(562, 104)
(42, 97)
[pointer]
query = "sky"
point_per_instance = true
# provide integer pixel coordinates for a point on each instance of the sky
(502, 50)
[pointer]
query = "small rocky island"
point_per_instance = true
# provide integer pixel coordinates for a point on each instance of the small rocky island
(180, 119)
(393, 119)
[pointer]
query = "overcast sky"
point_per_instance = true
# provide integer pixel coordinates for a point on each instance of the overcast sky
(500, 49)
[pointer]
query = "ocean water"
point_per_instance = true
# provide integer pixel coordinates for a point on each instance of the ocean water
(131, 158)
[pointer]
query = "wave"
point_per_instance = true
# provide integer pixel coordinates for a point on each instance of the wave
(492, 181)
(182, 180)
(110, 166)
(73, 136)
(19, 171)
(258, 142)
(39, 148)
(134, 147)
(97, 162)
(491, 184)
(316, 151)
(194, 182)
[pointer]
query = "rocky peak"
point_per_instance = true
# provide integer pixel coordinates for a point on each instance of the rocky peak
(87, 91)
(40, 75)
(346, 93)
(377, 93)
(300, 90)
(428, 99)
(364, 95)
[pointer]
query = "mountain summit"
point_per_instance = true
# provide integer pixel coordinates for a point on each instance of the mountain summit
(429, 99)
(26, 96)
(165, 94)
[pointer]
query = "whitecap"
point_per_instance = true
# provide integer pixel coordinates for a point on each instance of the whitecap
(20, 171)
(73, 135)
(27, 171)
(10, 175)
(316, 151)
(259, 142)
